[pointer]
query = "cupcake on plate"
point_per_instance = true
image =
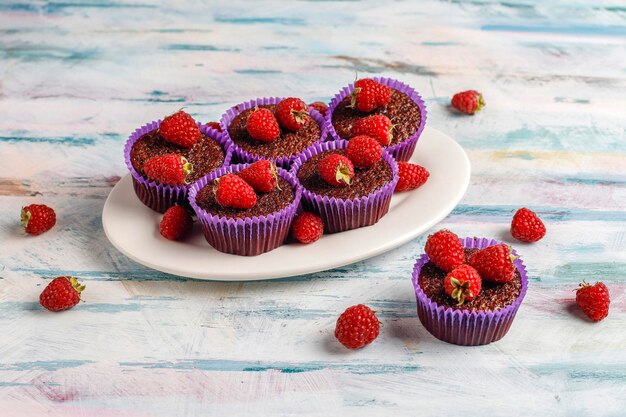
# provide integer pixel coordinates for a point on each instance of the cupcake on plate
(246, 209)
(276, 129)
(199, 149)
(387, 109)
(462, 298)
(345, 194)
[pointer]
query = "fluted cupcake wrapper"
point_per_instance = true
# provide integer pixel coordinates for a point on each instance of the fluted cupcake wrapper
(401, 151)
(339, 214)
(159, 197)
(241, 155)
(464, 327)
(249, 236)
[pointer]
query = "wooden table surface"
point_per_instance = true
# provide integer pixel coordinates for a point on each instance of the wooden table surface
(77, 77)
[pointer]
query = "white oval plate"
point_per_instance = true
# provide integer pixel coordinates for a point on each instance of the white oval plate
(133, 228)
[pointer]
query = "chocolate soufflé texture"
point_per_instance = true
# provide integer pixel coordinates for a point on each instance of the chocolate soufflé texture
(267, 203)
(287, 144)
(491, 297)
(401, 110)
(205, 156)
(364, 182)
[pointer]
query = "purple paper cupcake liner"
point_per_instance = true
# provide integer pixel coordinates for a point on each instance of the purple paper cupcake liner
(159, 197)
(464, 327)
(249, 236)
(339, 214)
(241, 155)
(401, 151)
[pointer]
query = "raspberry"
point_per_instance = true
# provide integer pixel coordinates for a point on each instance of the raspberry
(261, 175)
(364, 151)
(369, 95)
(445, 250)
(357, 326)
(38, 218)
(307, 227)
(292, 113)
(594, 300)
(336, 170)
(61, 293)
(411, 176)
(526, 226)
(234, 192)
(378, 127)
(320, 107)
(180, 129)
(494, 263)
(215, 125)
(170, 169)
(463, 283)
(262, 125)
(468, 102)
(176, 223)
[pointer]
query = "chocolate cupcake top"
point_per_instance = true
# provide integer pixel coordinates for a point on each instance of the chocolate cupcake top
(403, 112)
(206, 155)
(364, 182)
(287, 144)
(491, 297)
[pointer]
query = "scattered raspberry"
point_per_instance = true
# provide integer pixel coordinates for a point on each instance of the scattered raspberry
(215, 125)
(468, 102)
(357, 326)
(336, 170)
(307, 227)
(234, 192)
(463, 283)
(411, 176)
(292, 113)
(320, 107)
(378, 127)
(176, 223)
(263, 126)
(38, 218)
(180, 129)
(526, 226)
(62, 293)
(170, 169)
(261, 175)
(369, 95)
(445, 250)
(364, 151)
(594, 300)
(494, 263)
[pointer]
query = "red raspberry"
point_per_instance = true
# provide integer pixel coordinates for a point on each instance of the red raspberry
(594, 300)
(494, 263)
(292, 113)
(411, 176)
(62, 293)
(463, 283)
(378, 127)
(215, 125)
(364, 151)
(468, 102)
(234, 192)
(176, 223)
(38, 218)
(526, 226)
(336, 170)
(320, 107)
(445, 250)
(180, 129)
(307, 227)
(369, 95)
(170, 169)
(261, 175)
(357, 326)
(262, 125)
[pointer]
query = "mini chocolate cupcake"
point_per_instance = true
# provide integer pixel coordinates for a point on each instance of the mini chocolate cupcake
(247, 232)
(211, 151)
(484, 319)
(282, 151)
(405, 109)
(362, 203)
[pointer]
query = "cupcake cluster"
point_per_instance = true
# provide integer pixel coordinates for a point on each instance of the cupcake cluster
(271, 161)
